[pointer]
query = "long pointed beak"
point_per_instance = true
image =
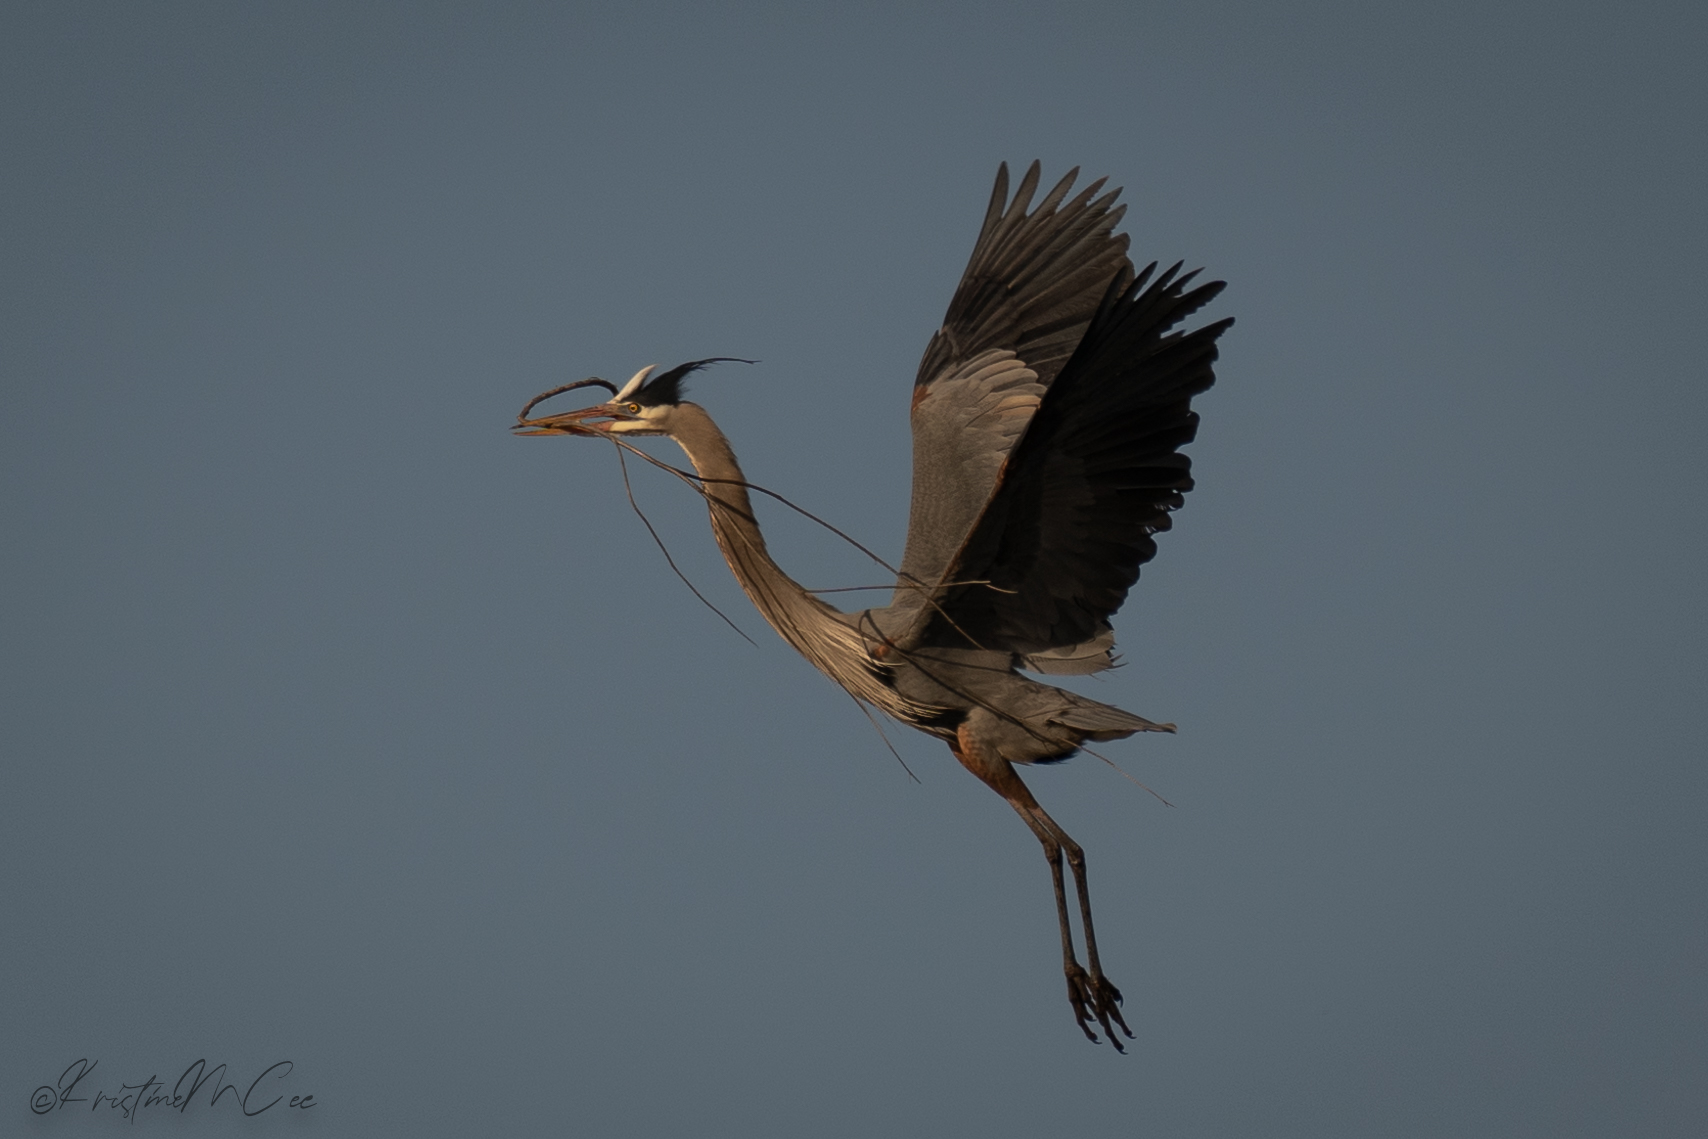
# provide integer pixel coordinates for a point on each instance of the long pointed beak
(570, 422)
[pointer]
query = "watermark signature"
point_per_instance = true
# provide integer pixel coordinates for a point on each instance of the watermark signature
(198, 1079)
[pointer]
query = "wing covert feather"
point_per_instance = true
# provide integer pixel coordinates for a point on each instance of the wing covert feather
(1029, 292)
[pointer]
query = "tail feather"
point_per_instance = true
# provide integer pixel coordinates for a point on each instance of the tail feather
(1102, 721)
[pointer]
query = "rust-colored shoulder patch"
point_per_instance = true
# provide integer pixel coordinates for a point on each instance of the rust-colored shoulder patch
(920, 391)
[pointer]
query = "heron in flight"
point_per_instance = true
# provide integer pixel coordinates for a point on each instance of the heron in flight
(1048, 416)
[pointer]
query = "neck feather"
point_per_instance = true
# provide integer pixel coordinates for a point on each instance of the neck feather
(824, 635)
(774, 593)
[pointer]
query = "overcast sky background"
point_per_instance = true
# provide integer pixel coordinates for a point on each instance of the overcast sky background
(340, 726)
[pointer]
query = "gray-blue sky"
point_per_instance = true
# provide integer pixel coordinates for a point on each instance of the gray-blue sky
(340, 725)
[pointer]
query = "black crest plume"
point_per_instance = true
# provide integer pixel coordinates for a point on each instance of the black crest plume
(666, 390)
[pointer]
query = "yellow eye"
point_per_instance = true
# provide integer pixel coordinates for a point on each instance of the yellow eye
(634, 409)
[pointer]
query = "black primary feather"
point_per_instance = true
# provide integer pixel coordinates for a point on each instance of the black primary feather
(1093, 478)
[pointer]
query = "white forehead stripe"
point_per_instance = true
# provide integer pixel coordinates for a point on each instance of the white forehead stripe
(634, 384)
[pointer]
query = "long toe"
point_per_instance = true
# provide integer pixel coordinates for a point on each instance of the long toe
(1082, 995)
(1109, 1009)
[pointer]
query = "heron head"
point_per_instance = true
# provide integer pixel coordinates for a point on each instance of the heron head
(643, 406)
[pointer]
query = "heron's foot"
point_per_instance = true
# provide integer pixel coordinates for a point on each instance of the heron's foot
(1092, 995)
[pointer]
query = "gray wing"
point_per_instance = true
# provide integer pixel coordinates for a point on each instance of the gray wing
(1029, 291)
(1096, 474)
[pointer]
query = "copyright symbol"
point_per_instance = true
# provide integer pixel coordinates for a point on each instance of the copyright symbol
(43, 1100)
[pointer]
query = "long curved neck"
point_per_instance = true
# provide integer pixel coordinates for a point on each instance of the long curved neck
(827, 637)
(789, 608)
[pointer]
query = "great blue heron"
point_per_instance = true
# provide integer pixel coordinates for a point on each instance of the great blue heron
(1048, 416)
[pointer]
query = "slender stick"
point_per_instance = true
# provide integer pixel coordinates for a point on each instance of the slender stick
(879, 728)
(559, 390)
(629, 490)
(697, 482)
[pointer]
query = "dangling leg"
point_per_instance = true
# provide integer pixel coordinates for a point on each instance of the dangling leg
(1108, 996)
(1090, 995)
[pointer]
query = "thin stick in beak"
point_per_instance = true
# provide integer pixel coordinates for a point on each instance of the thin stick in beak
(569, 423)
(522, 416)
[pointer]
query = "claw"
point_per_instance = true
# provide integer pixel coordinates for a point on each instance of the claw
(1096, 997)
(1079, 996)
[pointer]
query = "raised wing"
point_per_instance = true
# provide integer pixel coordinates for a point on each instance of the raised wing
(1023, 304)
(1091, 480)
